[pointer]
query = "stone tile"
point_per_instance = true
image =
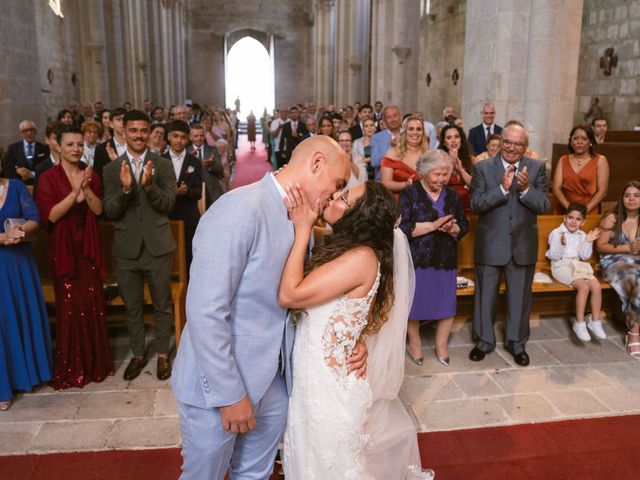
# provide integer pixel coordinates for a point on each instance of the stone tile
(527, 407)
(116, 405)
(147, 379)
(538, 356)
(144, 432)
(577, 376)
(15, 438)
(575, 403)
(542, 329)
(113, 382)
(454, 414)
(627, 373)
(624, 399)
(165, 404)
(90, 435)
(43, 407)
(523, 380)
(429, 388)
(477, 384)
(568, 352)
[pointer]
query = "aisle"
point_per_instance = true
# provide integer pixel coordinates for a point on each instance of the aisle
(251, 165)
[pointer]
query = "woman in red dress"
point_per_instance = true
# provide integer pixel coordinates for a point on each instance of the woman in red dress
(398, 166)
(69, 199)
(454, 142)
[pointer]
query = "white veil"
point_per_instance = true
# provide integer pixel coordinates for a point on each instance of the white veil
(392, 452)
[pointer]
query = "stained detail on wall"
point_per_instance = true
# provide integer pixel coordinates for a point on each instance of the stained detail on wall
(428, 79)
(608, 61)
(594, 111)
(50, 76)
(455, 76)
(74, 79)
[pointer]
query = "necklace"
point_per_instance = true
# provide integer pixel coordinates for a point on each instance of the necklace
(579, 161)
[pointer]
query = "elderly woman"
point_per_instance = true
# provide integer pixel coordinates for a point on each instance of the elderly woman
(91, 132)
(493, 147)
(619, 249)
(433, 219)
(357, 172)
(582, 176)
(157, 141)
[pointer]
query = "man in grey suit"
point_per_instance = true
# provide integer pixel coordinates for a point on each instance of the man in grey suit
(232, 373)
(139, 193)
(507, 192)
(212, 169)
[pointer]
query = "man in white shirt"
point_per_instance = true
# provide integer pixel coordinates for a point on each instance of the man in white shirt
(275, 129)
(116, 146)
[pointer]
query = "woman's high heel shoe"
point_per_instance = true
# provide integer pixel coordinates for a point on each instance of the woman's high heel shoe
(443, 360)
(630, 344)
(417, 361)
(4, 406)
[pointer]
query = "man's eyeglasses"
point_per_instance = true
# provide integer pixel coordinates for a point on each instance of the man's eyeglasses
(518, 145)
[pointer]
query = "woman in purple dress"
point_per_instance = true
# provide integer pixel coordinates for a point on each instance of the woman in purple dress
(433, 219)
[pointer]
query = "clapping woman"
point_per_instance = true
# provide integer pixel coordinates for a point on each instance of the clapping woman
(69, 198)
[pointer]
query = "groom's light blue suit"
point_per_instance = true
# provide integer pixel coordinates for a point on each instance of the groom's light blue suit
(237, 340)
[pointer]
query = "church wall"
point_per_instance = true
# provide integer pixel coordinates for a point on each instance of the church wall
(289, 22)
(442, 35)
(605, 24)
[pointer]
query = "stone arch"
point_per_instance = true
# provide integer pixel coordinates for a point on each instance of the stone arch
(234, 35)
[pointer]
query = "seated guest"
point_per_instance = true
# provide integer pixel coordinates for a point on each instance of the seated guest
(70, 201)
(398, 166)
(569, 251)
(25, 342)
(326, 127)
(91, 131)
(454, 142)
(357, 173)
(362, 147)
(434, 221)
(493, 148)
(213, 172)
(157, 142)
(188, 172)
(22, 157)
(66, 117)
(599, 125)
(619, 249)
(115, 147)
(582, 176)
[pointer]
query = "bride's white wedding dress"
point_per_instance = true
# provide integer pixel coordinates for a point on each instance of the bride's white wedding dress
(338, 426)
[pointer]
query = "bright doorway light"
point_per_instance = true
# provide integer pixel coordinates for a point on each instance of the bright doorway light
(249, 76)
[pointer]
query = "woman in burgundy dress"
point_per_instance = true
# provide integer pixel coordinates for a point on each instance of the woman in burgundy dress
(69, 199)
(454, 142)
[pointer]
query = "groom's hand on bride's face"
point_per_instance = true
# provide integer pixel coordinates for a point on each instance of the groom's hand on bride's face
(357, 362)
(239, 417)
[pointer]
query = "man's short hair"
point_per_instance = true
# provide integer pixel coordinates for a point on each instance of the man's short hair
(597, 119)
(366, 105)
(197, 126)
(51, 128)
(577, 207)
(178, 126)
(118, 111)
(31, 124)
(133, 116)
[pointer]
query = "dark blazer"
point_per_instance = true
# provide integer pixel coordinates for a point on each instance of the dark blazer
(478, 137)
(40, 169)
(356, 131)
(101, 157)
(15, 158)
(287, 142)
(141, 215)
(507, 224)
(186, 206)
(212, 175)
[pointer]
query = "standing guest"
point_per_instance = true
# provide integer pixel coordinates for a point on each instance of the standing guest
(213, 172)
(382, 141)
(91, 131)
(398, 168)
(326, 127)
(275, 132)
(188, 172)
(127, 106)
(582, 176)
(338, 124)
(207, 124)
(357, 172)
(147, 107)
(569, 251)
(69, 198)
(312, 127)
(599, 126)
(105, 121)
(98, 108)
(290, 136)
(181, 112)
(479, 135)
(251, 129)
(158, 139)
(362, 147)
(434, 221)
(50, 138)
(139, 194)
(619, 249)
(66, 117)
(87, 111)
(365, 113)
(221, 126)
(25, 342)
(115, 147)
(493, 147)
(78, 118)
(454, 142)
(22, 157)
(157, 115)
(508, 192)
(377, 113)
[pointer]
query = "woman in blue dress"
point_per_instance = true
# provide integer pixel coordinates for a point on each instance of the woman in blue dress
(25, 339)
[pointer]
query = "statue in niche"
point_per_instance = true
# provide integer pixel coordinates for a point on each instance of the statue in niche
(608, 61)
(594, 111)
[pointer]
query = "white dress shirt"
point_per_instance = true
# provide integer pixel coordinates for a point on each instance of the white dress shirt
(137, 172)
(177, 161)
(576, 245)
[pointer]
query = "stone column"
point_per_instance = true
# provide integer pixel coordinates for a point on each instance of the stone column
(523, 56)
(94, 77)
(325, 28)
(394, 53)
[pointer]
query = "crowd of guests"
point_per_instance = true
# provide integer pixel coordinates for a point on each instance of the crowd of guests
(145, 167)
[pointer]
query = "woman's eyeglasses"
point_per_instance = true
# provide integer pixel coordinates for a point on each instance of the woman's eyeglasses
(343, 197)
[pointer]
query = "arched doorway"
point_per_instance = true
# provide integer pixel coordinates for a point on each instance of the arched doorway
(249, 72)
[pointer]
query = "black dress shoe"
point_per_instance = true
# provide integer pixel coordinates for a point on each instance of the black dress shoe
(136, 364)
(476, 355)
(164, 368)
(521, 359)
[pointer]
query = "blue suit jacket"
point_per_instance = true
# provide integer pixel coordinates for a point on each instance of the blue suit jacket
(236, 331)
(380, 143)
(478, 137)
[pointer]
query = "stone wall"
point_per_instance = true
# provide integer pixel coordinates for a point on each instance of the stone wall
(605, 24)
(290, 23)
(442, 35)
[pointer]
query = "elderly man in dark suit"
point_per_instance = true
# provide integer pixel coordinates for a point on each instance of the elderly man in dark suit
(479, 134)
(139, 193)
(22, 157)
(213, 171)
(508, 192)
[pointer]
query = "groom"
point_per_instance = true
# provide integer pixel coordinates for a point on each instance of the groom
(232, 373)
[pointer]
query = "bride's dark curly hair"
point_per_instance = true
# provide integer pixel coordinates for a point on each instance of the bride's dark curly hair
(369, 222)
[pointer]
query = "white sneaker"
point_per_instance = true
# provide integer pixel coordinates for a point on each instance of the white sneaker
(580, 328)
(596, 328)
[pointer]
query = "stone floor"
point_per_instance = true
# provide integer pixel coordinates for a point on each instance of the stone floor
(567, 379)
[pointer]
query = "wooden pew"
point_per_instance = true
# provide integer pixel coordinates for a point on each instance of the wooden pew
(178, 271)
(622, 136)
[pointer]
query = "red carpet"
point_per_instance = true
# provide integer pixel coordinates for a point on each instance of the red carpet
(577, 449)
(251, 165)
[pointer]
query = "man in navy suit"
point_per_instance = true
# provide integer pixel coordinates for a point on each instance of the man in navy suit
(292, 133)
(478, 135)
(23, 156)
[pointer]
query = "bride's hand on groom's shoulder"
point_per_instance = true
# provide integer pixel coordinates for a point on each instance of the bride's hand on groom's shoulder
(302, 212)
(238, 417)
(357, 362)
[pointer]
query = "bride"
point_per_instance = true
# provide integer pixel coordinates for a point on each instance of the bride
(357, 284)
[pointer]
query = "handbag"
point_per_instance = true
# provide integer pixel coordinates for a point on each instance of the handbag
(582, 270)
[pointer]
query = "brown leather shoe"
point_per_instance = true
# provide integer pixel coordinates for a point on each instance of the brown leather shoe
(164, 368)
(136, 364)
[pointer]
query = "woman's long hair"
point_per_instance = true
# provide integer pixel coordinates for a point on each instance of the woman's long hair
(402, 140)
(621, 214)
(464, 152)
(369, 222)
